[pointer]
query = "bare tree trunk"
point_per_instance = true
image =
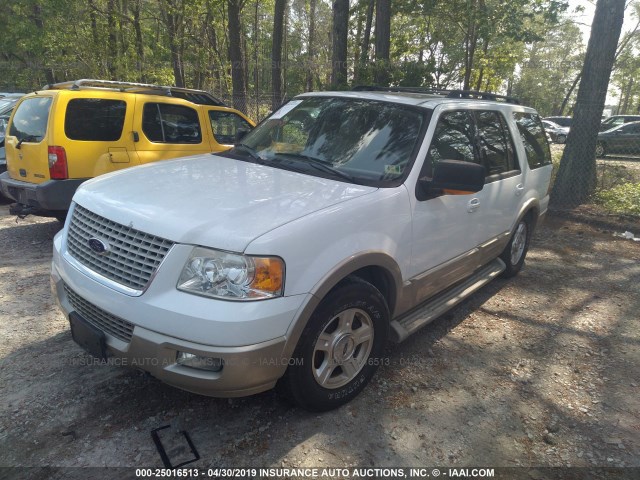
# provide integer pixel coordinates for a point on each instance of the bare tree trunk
(339, 43)
(39, 22)
(485, 48)
(122, 15)
(235, 56)
(112, 40)
(627, 96)
(576, 179)
(383, 41)
(256, 60)
(471, 41)
(137, 26)
(173, 17)
(213, 43)
(568, 95)
(276, 53)
(94, 23)
(366, 40)
(311, 47)
(286, 50)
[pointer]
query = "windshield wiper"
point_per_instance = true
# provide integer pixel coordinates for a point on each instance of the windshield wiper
(253, 153)
(27, 138)
(321, 165)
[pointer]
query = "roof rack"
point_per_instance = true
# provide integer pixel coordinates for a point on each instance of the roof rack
(467, 94)
(195, 96)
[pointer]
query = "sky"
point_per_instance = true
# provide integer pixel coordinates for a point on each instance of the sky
(584, 20)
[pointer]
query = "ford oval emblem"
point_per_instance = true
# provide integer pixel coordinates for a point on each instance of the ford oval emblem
(99, 246)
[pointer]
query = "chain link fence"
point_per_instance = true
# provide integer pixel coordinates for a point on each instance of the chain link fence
(256, 107)
(613, 189)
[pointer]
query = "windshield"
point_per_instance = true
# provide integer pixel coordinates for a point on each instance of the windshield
(6, 106)
(612, 122)
(360, 141)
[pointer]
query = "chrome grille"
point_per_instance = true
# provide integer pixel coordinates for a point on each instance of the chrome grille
(100, 319)
(133, 255)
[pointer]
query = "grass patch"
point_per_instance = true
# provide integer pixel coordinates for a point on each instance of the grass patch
(622, 199)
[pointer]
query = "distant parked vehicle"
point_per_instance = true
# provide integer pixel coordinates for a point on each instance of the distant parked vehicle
(622, 139)
(7, 102)
(555, 132)
(69, 132)
(617, 120)
(562, 121)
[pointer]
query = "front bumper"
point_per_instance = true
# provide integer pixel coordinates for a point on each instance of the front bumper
(49, 196)
(248, 367)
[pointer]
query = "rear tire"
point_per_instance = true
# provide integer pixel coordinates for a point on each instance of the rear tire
(516, 250)
(601, 150)
(561, 139)
(340, 348)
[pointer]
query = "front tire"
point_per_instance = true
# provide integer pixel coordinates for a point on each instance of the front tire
(340, 348)
(601, 151)
(516, 250)
(561, 139)
(61, 216)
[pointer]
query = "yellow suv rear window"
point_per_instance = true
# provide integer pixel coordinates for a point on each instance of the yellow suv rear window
(94, 119)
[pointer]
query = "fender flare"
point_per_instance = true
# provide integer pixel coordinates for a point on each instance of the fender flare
(333, 278)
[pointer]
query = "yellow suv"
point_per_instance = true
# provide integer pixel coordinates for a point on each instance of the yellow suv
(69, 132)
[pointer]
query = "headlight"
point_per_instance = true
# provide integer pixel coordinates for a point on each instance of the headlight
(217, 274)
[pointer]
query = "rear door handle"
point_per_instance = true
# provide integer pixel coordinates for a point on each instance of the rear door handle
(473, 205)
(519, 189)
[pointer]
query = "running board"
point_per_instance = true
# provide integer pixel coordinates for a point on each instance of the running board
(413, 321)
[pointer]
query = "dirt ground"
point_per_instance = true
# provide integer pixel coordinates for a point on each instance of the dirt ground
(540, 370)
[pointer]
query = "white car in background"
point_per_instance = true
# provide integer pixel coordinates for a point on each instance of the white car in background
(555, 132)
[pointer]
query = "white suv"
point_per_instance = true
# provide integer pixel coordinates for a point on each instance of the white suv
(344, 220)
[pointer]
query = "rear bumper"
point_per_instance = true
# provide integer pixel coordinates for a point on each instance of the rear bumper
(52, 195)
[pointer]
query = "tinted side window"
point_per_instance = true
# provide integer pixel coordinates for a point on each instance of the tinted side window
(452, 140)
(94, 119)
(166, 123)
(226, 124)
(495, 144)
(30, 120)
(533, 138)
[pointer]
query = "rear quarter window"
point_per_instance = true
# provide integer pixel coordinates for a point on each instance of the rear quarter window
(168, 123)
(533, 138)
(30, 119)
(94, 119)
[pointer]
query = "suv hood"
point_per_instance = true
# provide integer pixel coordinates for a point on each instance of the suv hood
(210, 200)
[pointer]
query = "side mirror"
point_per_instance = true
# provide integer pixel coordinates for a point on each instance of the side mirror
(240, 134)
(452, 177)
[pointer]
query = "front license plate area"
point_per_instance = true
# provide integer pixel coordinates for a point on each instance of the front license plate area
(87, 336)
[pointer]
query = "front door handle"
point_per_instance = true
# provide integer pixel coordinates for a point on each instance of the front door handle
(519, 189)
(473, 205)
